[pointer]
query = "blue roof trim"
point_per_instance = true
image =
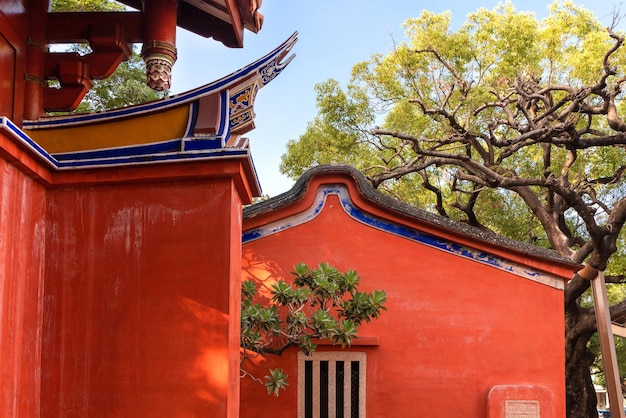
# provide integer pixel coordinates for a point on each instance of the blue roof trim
(28, 141)
(202, 144)
(152, 158)
(224, 126)
(167, 151)
(271, 64)
(223, 130)
(399, 230)
(160, 147)
(194, 108)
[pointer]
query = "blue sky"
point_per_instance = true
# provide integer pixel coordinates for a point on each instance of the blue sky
(333, 35)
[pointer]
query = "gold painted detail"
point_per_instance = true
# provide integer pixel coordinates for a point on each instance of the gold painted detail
(34, 79)
(37, 44)
(241, 119)
(121, 132)
(241, 106)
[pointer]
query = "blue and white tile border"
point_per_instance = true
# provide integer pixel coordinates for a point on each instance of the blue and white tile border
(341, 191)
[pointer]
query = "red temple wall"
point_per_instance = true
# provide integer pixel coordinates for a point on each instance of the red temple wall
(454, 328)
(137, 302)
(120, 289)
(22, 254)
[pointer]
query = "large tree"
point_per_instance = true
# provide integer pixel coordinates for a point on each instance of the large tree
(510, 123)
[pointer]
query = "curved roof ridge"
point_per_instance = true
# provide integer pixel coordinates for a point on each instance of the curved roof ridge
(398, 206)
(265, 69)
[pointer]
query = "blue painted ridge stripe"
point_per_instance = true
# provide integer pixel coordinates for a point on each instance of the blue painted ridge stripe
(28, 142)
(143, 154)
(203, 144)
(399, 230)
(152, 158)
(224, 129)
(295, 220)
(194, 108)
(127, 151)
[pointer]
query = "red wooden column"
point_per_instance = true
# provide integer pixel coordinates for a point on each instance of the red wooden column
(36, 48)
(159, 42)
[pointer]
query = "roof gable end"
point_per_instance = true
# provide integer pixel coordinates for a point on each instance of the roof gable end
(364, 204)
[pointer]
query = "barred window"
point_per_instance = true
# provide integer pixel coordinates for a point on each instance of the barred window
(331, 384)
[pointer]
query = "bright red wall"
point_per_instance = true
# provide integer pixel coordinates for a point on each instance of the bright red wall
(22, 253)
(119, 288)
(138, 299)
(454, 328)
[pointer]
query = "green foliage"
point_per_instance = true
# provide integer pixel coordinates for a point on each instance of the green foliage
(328, 138)
(443, 91)
(86, 6)
(276, 381)
(320, 303)
(125, 87)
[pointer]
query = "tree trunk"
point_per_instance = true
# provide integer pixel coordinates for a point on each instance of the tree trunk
(580, 392)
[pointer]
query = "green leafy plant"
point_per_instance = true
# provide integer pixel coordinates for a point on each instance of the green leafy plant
(320, 303)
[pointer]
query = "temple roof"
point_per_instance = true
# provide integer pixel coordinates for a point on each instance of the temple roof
(222, 20)
(206, 123)
(395, 206)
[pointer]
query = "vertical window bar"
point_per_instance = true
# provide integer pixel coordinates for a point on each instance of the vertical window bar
(339, 390)
(346, 389)
(323, 389)
(332, 388)
(354, 389)
(308, 389)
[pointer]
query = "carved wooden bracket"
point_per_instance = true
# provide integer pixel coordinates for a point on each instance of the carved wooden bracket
(74, 72)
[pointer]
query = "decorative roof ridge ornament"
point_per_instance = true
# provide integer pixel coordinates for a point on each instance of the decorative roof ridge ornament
(275, 66)
(159, 58)
(207, 123)
(264, 70)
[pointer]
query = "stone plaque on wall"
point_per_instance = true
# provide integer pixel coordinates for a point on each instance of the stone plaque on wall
(522, 409)
(523, 401)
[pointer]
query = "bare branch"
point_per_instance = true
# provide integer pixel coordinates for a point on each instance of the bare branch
(438, 195)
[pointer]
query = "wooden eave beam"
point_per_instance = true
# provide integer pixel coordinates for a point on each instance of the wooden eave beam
(252, 18)
(73, 27)
(238, 13)
(236, 20)
(207, 25)
(223, 21)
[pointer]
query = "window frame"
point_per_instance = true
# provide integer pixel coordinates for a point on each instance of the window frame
(331, 357)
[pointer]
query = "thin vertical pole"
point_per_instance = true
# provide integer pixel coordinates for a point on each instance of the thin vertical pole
(607, 345)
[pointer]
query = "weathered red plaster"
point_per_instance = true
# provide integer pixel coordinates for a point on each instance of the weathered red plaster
(120, 288)
(22, 255)
(454, 329)
(138, 306)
